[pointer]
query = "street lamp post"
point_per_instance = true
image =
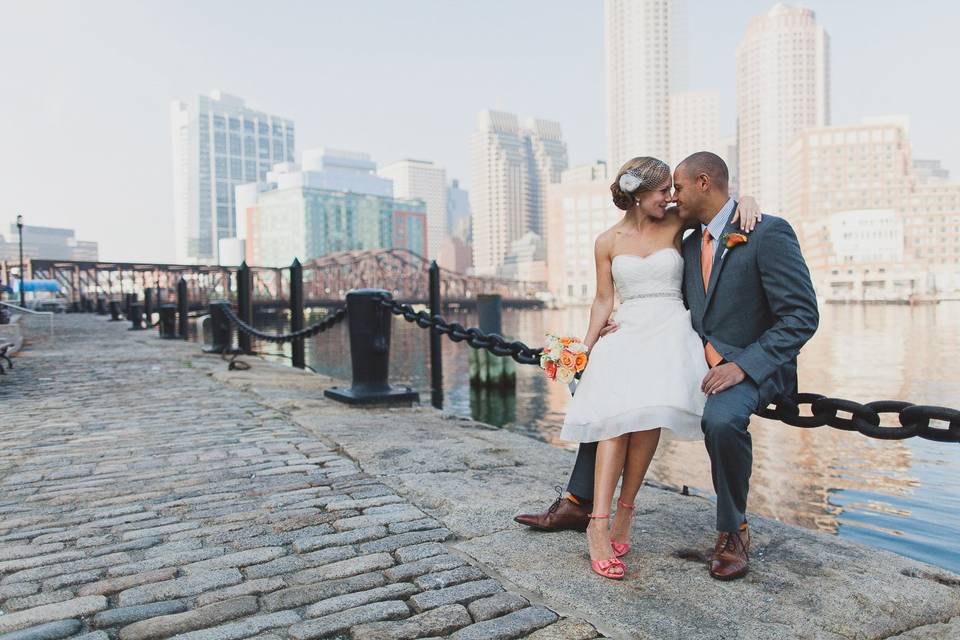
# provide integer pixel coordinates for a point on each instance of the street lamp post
(23, 299)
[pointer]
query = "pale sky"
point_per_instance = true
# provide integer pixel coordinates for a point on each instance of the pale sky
(85, 125)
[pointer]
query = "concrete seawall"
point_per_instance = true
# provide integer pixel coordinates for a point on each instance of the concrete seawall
(147, 492)
(473, 478)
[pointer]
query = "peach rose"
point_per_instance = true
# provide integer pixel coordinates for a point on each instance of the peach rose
(581, 361)
(733, 239)
(564, 375)
(567, 359)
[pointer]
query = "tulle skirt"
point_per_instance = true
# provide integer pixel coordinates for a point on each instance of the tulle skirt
(645, 375)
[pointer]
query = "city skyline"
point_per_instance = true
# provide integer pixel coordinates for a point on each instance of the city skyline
(96, 102)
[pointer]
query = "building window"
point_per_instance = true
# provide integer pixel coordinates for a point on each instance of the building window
(234, 124)
(250, 146)
(277, 129)
(235, 146)
(278, 150)
(219, 122)
(262, 128)
(248, 126)
(236, 168)
(219, 142)
(251, 170)
(221, 167)
(223, 191)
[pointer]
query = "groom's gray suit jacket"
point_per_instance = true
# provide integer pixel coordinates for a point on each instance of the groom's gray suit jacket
(760, 307)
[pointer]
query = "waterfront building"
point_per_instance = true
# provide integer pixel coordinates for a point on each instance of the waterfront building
(783, 88)
(512, 166)
(579, 209)
(423, 180)
(47, 243)
(334, 202)
(694, 125)
(458, 212)
(218, 144)
(849, 183)
(930, 171)
(645, 60)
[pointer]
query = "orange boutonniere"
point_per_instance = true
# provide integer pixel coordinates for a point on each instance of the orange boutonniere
(730, 240)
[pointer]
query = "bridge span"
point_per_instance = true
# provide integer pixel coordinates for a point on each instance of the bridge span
(326, 281)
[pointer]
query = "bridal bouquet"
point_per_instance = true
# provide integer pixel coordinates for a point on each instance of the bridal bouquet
(563, 358)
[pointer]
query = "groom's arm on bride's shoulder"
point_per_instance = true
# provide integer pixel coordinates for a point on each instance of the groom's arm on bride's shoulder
(789, 291)
(602, 305)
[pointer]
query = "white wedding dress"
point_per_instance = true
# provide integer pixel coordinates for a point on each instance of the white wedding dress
(647, 374)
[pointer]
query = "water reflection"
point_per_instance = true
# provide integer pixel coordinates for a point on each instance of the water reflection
(900, 495)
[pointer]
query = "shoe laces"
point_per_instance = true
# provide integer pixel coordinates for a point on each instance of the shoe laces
(556, 503)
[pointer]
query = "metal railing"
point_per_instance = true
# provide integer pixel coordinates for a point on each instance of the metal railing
(30, 312)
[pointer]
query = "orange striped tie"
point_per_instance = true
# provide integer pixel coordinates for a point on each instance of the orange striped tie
(706, 266)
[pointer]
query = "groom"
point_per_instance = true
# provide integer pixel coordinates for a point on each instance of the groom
(753, 305)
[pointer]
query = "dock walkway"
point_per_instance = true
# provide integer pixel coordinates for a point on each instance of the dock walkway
(147, 492)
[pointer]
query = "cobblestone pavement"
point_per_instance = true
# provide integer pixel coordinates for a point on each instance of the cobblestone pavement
(141, 499)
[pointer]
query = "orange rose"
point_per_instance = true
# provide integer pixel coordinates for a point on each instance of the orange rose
(567, 359)
(551, 369)
(581, 361)
(566, 341)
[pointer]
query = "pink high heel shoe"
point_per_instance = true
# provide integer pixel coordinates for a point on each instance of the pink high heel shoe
(613, 567)
(621, 549)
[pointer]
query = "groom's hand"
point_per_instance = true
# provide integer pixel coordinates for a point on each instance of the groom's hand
(610, 327)
(721, 378)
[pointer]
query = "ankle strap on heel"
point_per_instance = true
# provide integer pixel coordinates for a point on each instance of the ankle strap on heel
(605, 516)
(624, 505)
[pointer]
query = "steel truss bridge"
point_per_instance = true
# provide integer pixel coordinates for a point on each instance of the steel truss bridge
(326, 281)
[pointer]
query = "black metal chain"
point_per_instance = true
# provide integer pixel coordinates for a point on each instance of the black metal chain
(865, 418)
(477, 339)
(306, 332)
(914, 419)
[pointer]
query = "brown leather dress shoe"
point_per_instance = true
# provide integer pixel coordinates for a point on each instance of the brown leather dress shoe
(731, 555)
(562, 515)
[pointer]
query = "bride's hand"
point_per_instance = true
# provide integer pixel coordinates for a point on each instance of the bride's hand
(609, 327)
(747, 213)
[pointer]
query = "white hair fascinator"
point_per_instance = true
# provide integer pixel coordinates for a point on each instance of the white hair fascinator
(629, 181)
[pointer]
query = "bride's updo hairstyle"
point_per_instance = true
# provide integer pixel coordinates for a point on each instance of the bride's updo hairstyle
(637, 175)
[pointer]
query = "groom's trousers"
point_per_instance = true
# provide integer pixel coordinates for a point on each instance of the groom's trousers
(724, 423)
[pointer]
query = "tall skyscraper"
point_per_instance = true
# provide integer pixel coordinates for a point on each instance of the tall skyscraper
(694, 124)
(783, 88)
(511, 168)
(428, 182)
(645, 42)
(219, 143)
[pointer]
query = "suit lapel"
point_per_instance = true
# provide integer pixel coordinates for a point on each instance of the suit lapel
(718, 261)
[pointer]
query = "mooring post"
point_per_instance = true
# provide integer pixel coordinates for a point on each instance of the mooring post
(221, 332)
(370, 353)
(487, 369)
(114, 310)
(245, 305)
(136, 316)
(436, 357)
(168, 321)
(148, 305)
(183, 309)
(101, 306)
(296, 313)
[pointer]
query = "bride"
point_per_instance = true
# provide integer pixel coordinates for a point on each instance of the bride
(646, 376)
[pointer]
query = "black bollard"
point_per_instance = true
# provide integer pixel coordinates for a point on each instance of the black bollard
(168, 321)
(370, 354)
(436, 359)
(75, 306)
(114, 311)
(148, 306)
(296, 313)
(221, 330)
(183, 309)
(245, 305)
(101, 306)
(136, 316)
(128, 299)
(87, 305)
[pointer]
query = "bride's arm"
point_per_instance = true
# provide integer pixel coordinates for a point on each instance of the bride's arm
(602, 305)
(747, 213)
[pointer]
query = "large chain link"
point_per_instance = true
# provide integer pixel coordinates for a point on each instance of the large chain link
(306, 332)
(477, 339)
(914, 419)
